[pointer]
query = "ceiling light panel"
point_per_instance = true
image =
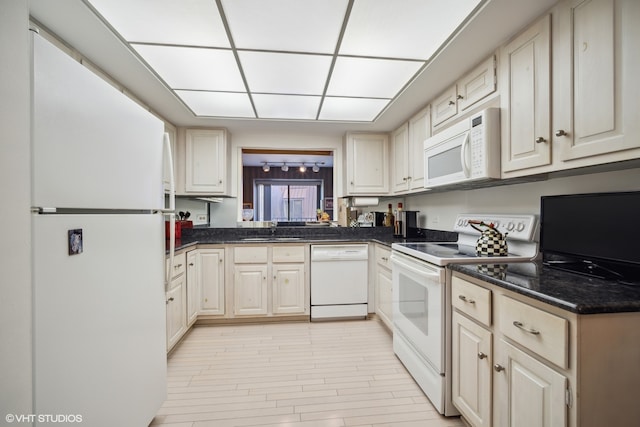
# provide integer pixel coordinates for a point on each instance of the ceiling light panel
(194, 68)
(414, 29)
(370, 78)
(352, 109)
(286, 106)
(285, 73)
(286, 25)
(217, 104)
(184, 22)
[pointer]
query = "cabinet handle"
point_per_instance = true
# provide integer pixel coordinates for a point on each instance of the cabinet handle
(384, 258)
(404, 179)
(465, 299)
(177, 266)
(409, 178)
(498, 368)
(561, 133)
(481, 356)
(191, 264)
(220, 260)
(220, 182)
(169, 300)
(459, 97)
(452, 103)
(520, 325)
(540, 140)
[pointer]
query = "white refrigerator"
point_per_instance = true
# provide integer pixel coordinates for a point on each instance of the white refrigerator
(98, 248)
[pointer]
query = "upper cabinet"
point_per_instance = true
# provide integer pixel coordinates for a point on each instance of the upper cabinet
(205, 163)
(570, 97)
(407, 152)
(367, 164)
(474, 86)
(526, 103)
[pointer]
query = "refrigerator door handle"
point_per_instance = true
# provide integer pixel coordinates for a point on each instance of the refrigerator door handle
(170, 211)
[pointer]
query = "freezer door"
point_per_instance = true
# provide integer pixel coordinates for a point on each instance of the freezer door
(99, 317)
(93, 147)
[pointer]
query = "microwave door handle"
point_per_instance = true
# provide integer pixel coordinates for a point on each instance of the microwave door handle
(463, 155)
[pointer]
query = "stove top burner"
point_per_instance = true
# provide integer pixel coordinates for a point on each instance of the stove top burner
(520, 238)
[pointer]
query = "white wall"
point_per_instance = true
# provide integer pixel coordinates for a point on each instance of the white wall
(15, 264)
(438, 210)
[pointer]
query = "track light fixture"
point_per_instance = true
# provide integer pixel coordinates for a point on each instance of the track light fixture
(284, 167)
(266, 167)
(315, 168)
(303, 168)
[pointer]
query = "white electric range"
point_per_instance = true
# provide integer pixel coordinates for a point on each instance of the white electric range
(422, 300)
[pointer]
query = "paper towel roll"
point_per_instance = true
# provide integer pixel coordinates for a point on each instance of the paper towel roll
(365, 201)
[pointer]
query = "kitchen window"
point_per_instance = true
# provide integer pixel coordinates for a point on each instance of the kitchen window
(287, 200)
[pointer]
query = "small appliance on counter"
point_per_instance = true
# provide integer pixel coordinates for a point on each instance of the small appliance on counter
(407, 224)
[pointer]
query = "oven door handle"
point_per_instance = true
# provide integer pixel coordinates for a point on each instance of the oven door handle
(425, 271)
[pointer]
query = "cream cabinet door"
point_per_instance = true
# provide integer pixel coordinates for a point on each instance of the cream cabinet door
(444, 106)
(526, 98)
(193, 286)
(471, 370)
(477, 84)
(288, 288)
(419, 130)
(250, 289)
(367, 164)
(528, 392)
(206, 161)
(176, 311)
(384, 288)
(597, 109)
(401, 176)
(212, 295)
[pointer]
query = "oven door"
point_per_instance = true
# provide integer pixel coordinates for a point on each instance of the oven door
(418, 307)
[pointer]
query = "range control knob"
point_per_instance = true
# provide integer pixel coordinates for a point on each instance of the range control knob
(460, 222)
(520, 226)
(510, 226)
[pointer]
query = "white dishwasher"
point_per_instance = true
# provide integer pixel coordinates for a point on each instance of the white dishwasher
(339, 281)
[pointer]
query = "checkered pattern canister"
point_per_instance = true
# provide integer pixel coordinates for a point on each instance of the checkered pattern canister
(491, 244)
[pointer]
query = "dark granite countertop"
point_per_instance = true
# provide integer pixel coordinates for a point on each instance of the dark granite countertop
(227, 236)
(569, 291)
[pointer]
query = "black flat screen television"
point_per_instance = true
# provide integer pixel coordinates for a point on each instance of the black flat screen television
(600, 229)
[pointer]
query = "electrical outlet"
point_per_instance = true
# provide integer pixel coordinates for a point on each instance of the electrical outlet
(201, 218)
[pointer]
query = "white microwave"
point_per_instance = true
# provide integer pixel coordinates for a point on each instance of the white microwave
(465, 152)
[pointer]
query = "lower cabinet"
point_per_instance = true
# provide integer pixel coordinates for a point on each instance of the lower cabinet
(250, 290)
(288, 289)
(383, 285)
(176, 311)
(211, 276)
(270, 280)
(471, 373)
(517, 361)
(193, 287)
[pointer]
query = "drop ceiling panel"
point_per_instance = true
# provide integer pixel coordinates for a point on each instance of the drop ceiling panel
(286, 106)
(217, 104)
(194, 68)
(185, 22)
(370, 78)
(412, 29)
(286, 25)
(352, 109)
(284, 73)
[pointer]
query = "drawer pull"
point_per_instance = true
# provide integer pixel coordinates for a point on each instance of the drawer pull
(498, 368)
(385, 259)
(481, 356)
(519, 325)
(463, 298)
(177, 266)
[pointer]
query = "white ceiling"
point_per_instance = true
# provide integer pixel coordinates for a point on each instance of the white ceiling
(324, 66)
(342, 60)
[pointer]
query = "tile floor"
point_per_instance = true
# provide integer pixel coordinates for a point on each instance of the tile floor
(296, 374)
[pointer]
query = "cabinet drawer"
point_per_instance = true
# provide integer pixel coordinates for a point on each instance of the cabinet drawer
(543, 333)
(472, 300)
(288, 253)
(179, 264)
(250, 254)
(383, 256)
